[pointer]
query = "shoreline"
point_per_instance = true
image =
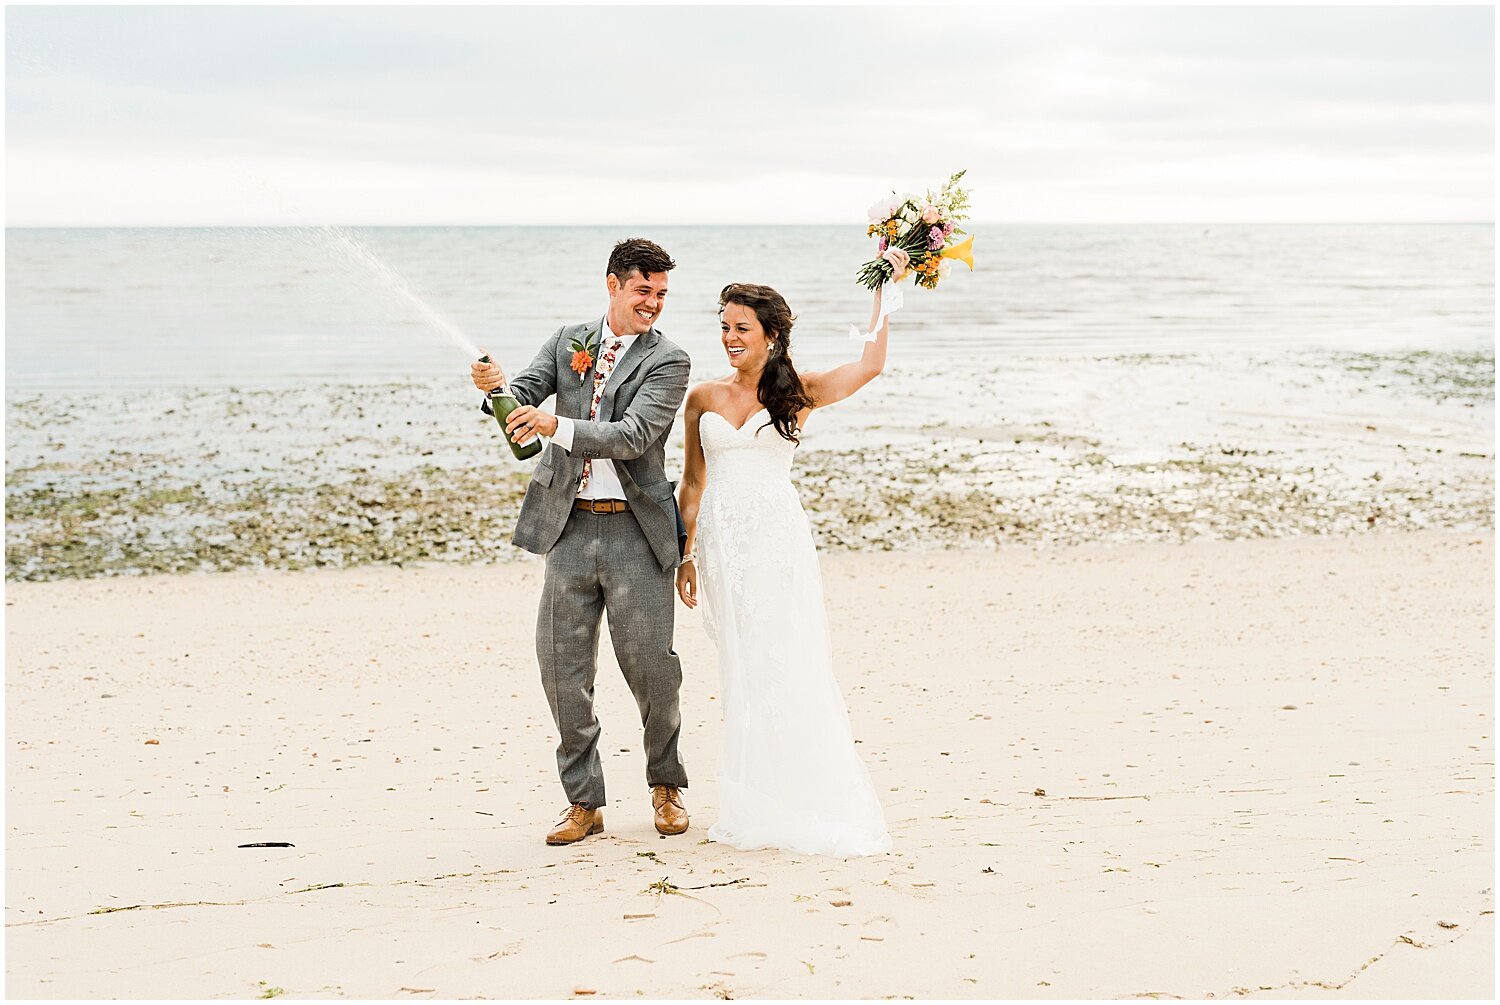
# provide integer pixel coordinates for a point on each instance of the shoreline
(1251, 768)
(916, 504)
(1112, 448)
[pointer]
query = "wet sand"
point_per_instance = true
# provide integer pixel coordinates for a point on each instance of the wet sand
(1256, 768)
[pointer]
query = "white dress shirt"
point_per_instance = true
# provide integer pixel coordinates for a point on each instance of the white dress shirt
(604, 481)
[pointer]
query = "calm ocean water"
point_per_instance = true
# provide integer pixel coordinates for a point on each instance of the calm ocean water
(131, 308)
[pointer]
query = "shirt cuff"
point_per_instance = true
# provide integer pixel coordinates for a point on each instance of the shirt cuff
(564, 435)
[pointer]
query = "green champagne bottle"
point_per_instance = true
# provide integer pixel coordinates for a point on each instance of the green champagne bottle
(502, 403)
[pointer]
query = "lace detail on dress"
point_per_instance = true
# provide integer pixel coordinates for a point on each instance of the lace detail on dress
(747, 504)
(789, 776)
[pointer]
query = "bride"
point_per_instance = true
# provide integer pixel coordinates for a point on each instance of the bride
(789, 776)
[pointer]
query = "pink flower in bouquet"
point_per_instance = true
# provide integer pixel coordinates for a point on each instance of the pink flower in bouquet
(930, 214)
(885, 243)
(935, 238)
(947, 229)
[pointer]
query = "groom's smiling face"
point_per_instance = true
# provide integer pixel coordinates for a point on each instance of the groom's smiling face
(636, 303)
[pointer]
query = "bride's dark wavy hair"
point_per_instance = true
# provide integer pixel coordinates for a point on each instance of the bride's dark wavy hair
(781, 391)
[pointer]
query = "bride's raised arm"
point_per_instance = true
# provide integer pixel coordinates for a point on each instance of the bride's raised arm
(690, 494)
(842, 381)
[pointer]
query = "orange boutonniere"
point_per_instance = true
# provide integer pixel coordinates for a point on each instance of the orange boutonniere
(584, 352)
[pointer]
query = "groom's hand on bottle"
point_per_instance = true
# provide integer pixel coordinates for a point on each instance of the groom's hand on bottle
(487, 376)
(526, 422)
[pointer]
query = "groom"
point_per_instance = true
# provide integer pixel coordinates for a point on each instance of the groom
(601, 509)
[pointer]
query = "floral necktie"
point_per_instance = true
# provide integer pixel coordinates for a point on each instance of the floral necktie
(609, 355)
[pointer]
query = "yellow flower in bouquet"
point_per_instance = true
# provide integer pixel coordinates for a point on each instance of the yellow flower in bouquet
(963, 251)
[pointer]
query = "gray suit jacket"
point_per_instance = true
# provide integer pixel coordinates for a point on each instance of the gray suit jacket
(636, 413)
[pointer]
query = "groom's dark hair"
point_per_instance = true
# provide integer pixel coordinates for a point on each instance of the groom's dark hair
(638, 255)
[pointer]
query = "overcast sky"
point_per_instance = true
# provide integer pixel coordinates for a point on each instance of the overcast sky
(658, 115)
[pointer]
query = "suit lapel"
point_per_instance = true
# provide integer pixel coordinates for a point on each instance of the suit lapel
(583, 387)
(643, 346)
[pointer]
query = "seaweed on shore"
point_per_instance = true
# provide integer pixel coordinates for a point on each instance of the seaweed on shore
(898, 499)
(435, 515)
(183, 481)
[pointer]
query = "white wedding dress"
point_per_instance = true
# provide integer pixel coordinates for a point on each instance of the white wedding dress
(789, 776)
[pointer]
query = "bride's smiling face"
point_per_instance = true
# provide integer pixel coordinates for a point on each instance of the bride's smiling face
(744, 339)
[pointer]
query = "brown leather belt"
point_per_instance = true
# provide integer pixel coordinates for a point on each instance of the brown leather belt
(602, 505)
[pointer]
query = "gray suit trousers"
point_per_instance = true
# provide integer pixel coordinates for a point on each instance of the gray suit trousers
(601, 564)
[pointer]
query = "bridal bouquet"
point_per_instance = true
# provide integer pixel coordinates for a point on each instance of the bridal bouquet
(924, 228)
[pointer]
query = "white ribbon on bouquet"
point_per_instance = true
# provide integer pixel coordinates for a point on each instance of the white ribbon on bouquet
(890, 303)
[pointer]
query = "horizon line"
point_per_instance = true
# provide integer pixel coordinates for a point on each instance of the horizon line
(969, 223)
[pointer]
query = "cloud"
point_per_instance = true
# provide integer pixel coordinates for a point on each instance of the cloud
(743, 114)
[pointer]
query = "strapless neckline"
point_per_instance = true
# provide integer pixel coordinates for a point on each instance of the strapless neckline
(741, 427)
(731, 425)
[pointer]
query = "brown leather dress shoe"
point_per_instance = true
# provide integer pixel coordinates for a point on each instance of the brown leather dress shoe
(671, 815)
(577, 823)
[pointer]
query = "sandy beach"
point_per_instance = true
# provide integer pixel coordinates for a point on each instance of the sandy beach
(1228, 768)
